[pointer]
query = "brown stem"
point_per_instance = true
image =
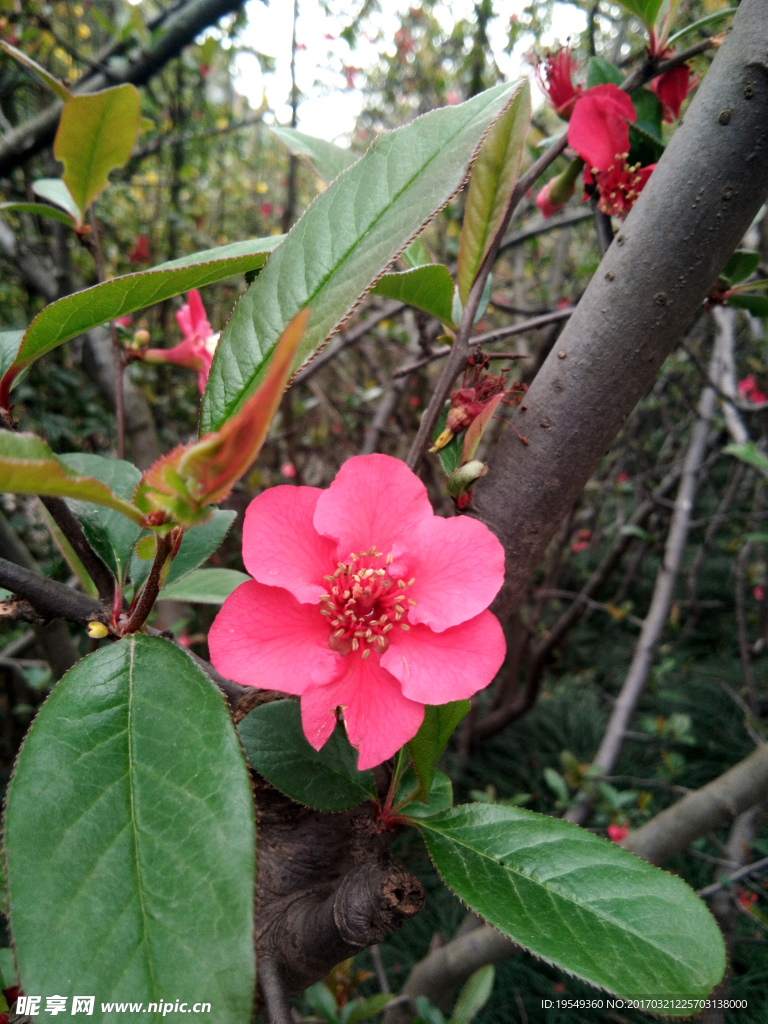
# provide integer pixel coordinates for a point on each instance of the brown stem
(152, 586)
(70, 526)
(51, 599)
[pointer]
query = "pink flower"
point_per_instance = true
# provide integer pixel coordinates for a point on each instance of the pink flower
(557, 81)
(195, 352)
(747, 900)
(620, 185)
(123, 321)
(617, 832)
(748, 389)
(452, 98)
(598, 129)
(288, 470)
(545, 203)
(758, 593)
(362, 601)
(671, 88)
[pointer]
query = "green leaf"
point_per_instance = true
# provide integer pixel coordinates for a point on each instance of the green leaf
(28, 466)
(474, 995)
(647, 127)
(8, 973)
(9, 346)
(204, 586)
(578, 901)
(646, 10)
(714, 16)
(53, 83)
(430, 741)
(76, 313)
(416, 255)
(130, 838)
(742, 264)
(750, 454)
(110, 534)
(757, 305)
(276, 747)
(602, 72)
(197, 544)
(440, 795)
(346, 238)
(327, 160)
(321, 1000)
(494, 176)
(55, 191)
(449, 454)
(39, 209)
(364, 1009)
(96, 134)
(428, 288)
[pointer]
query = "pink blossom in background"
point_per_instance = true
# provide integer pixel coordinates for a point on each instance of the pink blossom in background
(617, 832)
(195, 352)
(288, 470)
(545, 203)
(140, 252)
(557, 81)
(748, 388)
(123, 321)
(758, 593)
(363, 601)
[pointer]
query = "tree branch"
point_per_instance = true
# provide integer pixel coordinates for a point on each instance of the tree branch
(53, 600)
(637, 305)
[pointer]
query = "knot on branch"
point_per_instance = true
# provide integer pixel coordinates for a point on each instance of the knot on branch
(327, 886)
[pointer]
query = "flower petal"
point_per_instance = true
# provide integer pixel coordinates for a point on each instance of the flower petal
(378, 718)
(263, 637)
(281, 547)
(375, 499)
(192, 318)
(458, 567)
(598, 127)
(439, 667)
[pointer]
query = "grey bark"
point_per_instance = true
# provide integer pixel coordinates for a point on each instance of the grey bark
(650, 285)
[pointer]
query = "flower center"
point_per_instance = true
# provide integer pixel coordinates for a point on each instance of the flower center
(364, 603)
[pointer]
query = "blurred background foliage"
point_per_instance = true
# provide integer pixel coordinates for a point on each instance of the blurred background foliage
(208, 171)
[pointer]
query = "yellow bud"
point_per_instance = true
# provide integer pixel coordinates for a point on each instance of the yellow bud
(97, 630)
(141, 337)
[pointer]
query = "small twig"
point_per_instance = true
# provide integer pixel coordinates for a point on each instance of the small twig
(151, 589)
(652, 67)
(275, 997)
(49, 598)
(378, 966)
(736, 876)
(590, 603)
(70, 526)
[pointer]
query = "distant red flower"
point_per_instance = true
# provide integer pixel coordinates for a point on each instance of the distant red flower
(557, 81)
(288, 470)
(617, 832)
(748, 389)
(301, 46)
(122, 321)
(579, 545)
(758, 593)
(747, 900)
(265, 209)
(622, 478)
(452, 98)
(140, 251)
(671, 88)
(349, 73)
(204, 70)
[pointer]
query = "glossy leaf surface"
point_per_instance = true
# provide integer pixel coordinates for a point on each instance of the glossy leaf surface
(494, 176)
(741, 265)
(277, 748)
(28, 466)
(440, 795)
(96, 134)
(347, 237)
(327, 159)
(430, 741)
(428, 288)
(197, 544)
(110, 534)
(130, 839)
(204, 586)
(76, 313)
(757, 305)
(578, 901)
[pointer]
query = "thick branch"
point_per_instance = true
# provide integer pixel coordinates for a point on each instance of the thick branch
(51, 599)
(712, 807)
(638, 304)
(179, 29)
